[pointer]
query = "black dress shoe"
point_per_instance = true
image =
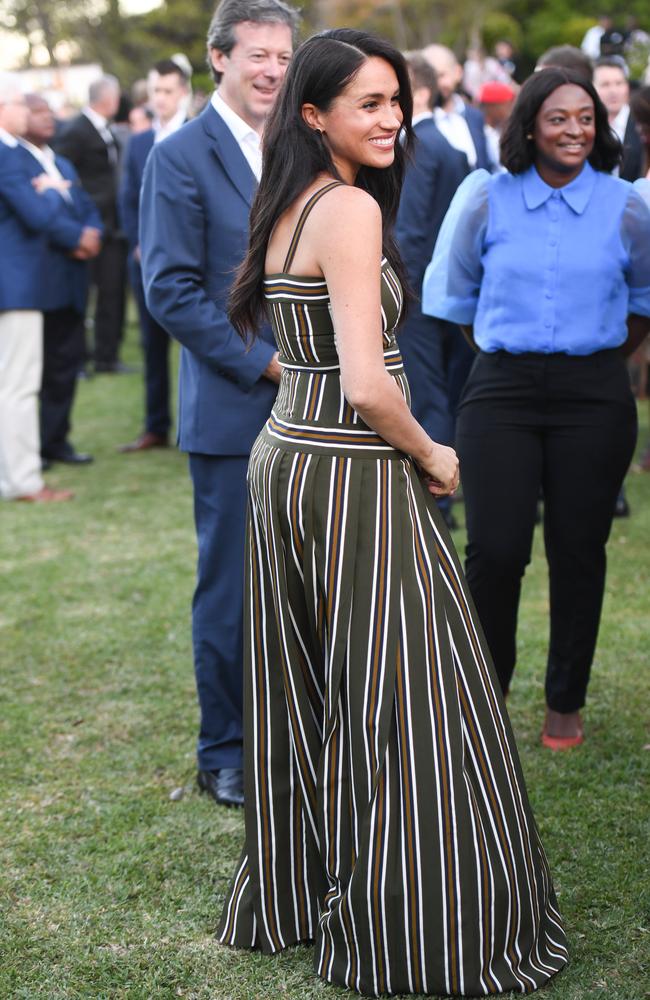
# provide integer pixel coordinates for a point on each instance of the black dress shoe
(114, 368)
(69, 457)
(226, 786)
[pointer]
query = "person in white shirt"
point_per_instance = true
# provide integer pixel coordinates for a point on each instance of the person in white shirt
(461, 124)
(611, 80)
(197, 190)
(170, 93)
(590, 44)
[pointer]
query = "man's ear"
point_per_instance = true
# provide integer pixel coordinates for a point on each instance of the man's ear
(218, 60)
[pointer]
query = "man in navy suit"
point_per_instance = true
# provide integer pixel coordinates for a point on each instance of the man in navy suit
(64, 287)
(435, 353)
(460, 123)
(196, 196)
(170, 93)
(31, 208)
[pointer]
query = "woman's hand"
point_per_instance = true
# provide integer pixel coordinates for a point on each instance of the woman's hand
(441, 470)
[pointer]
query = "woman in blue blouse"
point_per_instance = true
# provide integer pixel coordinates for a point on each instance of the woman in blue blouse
(548, 269)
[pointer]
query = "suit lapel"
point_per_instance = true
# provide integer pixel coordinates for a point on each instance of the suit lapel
(226, 149)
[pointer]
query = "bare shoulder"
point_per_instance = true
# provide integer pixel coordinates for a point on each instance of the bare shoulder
(352, 203)
(346, 215)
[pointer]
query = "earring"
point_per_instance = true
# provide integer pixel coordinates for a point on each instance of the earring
(318, 133)
(529, 136)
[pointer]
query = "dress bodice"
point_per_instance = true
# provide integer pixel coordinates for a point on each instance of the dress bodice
(301, 317)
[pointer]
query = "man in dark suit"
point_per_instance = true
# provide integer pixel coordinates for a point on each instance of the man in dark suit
(460, 123)
(170, 93)
(64, 287)
(436, 356)
(197, 191)
(88, 142)
(612, 83)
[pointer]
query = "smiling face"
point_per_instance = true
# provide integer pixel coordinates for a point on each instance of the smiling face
(362, 124)
(253, 70)
(564, 134)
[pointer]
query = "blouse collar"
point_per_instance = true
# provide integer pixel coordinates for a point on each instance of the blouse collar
(576, 194)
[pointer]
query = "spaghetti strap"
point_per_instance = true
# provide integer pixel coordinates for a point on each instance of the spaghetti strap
(300, 225)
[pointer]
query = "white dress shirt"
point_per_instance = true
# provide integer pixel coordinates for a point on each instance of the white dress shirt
(101, 125)
(455, 129)
(162, 131)
(248, 140)
(8, 138)
(45, 157)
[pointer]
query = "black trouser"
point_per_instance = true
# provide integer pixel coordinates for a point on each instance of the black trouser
(155, 344)
(565, 425)
(63, 356)
(108, 274)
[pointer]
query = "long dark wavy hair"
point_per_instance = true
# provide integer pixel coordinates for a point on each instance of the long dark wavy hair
(294, 154)
(518, 152)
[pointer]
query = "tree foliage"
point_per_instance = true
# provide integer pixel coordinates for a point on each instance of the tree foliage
(99, 30)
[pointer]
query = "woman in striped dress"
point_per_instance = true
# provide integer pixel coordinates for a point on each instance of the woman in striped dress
(386, 815)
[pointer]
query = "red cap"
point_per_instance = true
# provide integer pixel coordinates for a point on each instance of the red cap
(495, 92)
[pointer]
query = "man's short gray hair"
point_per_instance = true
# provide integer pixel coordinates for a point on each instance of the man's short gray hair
(230, 13)
(9, 87)
(98, 88)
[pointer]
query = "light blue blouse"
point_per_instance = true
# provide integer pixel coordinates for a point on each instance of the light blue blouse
(543, 269)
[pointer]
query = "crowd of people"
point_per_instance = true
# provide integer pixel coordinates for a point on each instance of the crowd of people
(372, 260)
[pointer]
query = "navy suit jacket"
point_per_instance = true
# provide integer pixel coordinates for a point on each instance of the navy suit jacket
(430, 183)
(137, 151)
(26, 219)
(476, 125)
(64, 280)
(195, 202)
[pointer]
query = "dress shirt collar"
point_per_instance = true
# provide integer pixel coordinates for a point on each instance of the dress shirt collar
(95, 119)
(8, 138)
(162, 131)
(422, 117)
(241, 130)
(576, 194)
(44, 154)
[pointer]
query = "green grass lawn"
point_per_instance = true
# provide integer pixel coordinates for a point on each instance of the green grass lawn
(110, 889)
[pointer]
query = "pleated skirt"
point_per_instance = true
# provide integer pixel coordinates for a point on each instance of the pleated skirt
(386, 814)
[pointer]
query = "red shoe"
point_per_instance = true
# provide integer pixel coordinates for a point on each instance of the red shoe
(47, 495)
(563, 742)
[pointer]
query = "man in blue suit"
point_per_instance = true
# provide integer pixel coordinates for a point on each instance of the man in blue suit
(196, 196)
(429, 346)
(64, 287)
(31, 208)
(170, 93)
(462, 125)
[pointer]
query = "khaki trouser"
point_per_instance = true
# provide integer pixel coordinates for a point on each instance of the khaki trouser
(21, 365)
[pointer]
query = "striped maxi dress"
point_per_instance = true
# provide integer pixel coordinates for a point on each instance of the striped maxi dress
(386, 814)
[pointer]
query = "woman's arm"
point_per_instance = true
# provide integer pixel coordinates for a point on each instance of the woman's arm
(349, 254)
